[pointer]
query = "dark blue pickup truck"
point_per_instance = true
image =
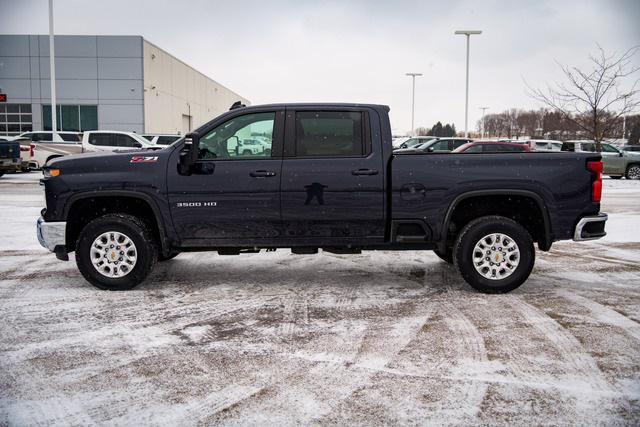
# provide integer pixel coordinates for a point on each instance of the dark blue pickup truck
(309, 177)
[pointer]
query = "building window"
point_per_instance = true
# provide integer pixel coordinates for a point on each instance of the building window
(75, 118)
(15, 119)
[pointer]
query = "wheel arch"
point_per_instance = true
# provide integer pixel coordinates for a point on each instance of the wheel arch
(545, 240)
(100, 197)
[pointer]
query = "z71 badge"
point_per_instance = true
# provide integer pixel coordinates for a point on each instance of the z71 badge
(144, 159)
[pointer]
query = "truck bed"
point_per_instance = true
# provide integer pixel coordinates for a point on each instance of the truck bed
(425, 186)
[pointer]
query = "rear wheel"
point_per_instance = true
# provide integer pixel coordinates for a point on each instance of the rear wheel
(116, 252)
(633, 172)
(494, 254)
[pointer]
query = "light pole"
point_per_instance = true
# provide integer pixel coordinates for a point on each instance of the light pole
(413, 98)
(467, 33)
(483, 110)
(52, 73)
(624, 116)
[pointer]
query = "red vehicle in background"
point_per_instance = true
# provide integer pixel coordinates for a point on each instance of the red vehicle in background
(492, 147)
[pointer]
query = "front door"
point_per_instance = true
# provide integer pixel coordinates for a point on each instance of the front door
(233, 194)
(332, 180)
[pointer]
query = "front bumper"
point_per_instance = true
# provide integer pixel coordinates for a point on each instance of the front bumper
(51, 234)
(590, 227)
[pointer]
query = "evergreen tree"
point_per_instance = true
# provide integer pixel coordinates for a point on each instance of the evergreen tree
(447, 131)
(436, 130)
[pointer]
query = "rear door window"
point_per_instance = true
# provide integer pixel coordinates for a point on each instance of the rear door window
(102, 139)
(329, 134)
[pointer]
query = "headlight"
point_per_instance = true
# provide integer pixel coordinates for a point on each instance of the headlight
(50, 173)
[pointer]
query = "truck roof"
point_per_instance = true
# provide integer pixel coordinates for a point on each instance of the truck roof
(317, 104)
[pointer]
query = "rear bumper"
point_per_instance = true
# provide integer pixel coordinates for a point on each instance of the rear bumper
(590, 227)
(51, 234)
(10, 164)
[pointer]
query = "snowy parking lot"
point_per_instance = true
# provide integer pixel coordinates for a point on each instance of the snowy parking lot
(276, 338)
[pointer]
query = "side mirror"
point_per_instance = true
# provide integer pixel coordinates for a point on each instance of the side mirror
(189, 153)
(430, 149)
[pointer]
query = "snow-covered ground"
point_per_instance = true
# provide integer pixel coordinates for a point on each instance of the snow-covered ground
(276, 338)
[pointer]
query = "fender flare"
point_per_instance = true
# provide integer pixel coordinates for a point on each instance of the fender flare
(164, 244)
(544, 244)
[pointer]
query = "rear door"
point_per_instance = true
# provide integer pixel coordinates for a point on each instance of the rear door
(332, 176)
(232, 197)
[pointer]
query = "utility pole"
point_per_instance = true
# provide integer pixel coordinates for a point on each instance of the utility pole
(52, 73)
(467, 33)
(413, 99)
(483, 110)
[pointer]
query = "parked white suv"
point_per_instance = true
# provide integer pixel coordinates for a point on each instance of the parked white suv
(112, 140)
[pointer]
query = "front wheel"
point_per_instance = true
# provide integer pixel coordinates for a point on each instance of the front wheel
(116, 252)
(633, 172)
(494, 254)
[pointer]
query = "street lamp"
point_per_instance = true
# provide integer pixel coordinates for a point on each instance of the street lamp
(413, 99)
(483, 110)
(467, 33)
(52, 71)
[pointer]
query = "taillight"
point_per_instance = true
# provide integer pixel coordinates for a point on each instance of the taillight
(596, 187)
(31, 147)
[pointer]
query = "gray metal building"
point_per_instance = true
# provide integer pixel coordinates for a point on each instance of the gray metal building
(103, 82)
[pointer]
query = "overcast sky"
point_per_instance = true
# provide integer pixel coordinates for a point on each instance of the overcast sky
(359, 51)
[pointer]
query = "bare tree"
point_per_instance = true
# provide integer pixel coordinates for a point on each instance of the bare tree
(595, 99)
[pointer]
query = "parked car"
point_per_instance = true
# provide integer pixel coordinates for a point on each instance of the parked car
(492, 147)
(250, 147)
(10, 157)
(439, 145)
(616, 163)
(333, 184)
(112, 140)
(161, 139)
(414, 141)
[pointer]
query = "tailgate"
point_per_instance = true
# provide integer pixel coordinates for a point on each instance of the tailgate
(9, 150)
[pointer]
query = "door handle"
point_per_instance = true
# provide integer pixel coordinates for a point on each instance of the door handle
(364, 172)
(262, 174)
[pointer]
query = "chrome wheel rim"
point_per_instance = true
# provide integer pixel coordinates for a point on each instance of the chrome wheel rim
(113, 254)
(634, 172)
(496, 256)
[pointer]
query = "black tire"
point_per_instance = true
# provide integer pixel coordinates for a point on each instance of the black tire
(446, 257)
(615, 176)
(172, 255)
(472, 233)
(633, 172)
(132, 227)
(1, 173)
(246, 152)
